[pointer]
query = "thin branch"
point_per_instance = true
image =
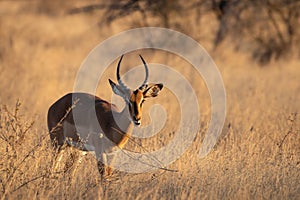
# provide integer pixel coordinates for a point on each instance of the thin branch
(292, 120)
(146, 150)
(86, 9)
(29, 181)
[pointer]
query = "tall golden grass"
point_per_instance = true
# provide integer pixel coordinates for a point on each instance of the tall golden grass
(257, 157)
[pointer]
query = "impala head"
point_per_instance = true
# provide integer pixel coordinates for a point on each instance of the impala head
(135, 98)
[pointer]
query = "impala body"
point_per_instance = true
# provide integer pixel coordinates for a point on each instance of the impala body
(90, 123)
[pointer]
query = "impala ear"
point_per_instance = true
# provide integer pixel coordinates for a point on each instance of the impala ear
(152, 91)
(118, 90)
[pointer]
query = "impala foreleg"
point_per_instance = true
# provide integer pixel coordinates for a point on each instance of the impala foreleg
(104, 169)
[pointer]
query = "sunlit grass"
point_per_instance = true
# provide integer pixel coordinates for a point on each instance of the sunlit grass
(257, 156)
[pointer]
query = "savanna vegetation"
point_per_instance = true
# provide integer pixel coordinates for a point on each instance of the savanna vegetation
(255, 45)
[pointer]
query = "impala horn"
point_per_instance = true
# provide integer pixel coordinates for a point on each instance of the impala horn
(147, 73)
(118, 75)
(119, 78)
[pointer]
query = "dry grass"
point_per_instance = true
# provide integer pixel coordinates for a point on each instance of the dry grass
(258, 156)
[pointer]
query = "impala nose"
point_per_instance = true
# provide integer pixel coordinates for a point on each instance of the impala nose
(136, 121)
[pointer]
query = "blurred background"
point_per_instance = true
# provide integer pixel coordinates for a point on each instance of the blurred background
(255, 45)
(43, 43)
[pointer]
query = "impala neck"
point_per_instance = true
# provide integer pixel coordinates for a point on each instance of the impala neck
(124, 120)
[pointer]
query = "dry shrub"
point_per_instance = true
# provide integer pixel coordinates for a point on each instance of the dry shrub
(27, 160)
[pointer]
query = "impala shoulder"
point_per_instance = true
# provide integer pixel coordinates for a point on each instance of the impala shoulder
(104, 105)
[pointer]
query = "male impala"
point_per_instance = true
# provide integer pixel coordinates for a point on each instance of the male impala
(90, 123)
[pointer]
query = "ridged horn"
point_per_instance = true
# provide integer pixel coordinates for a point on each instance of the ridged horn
(146, 71)
(118, 75)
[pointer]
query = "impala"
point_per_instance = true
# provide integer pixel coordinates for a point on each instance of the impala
(90, 123)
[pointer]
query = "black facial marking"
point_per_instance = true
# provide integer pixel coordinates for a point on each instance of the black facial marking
(135, 108)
